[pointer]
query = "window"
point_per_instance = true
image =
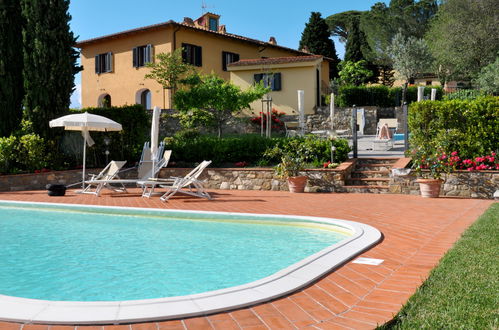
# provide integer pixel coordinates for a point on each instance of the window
(104, 63)
(192, 54)
(272, 80)
(142, 55)
(213, 24)
(228, 58)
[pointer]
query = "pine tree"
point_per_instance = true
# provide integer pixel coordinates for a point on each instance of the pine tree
(315, 38)
(11, 65)
(49, 62)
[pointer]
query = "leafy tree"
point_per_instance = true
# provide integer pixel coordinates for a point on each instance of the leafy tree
(464, 37)
(383, 22)
(410, 56)
(169, 70)
(354, 73)
(49, 62)
(11, 66)
(315, 38)
(488, 78)
(211, 101)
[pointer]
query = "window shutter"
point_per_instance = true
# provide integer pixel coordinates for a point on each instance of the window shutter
(149, 55)
(184, 53)
(276, 83)
(135, 57)
(198, 56)
(109, 62)
(97, 64)
(224, 60)
(258, 77)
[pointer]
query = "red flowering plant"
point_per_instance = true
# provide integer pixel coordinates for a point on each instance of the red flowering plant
(481, 163)
(276, 123)
(433, 165)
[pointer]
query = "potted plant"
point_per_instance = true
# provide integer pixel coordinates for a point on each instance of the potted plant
(430, 168)
(289, 167)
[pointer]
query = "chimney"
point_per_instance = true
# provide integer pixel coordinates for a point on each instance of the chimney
(305, 49)
(222, 29)
(272, 41)
(188, 21)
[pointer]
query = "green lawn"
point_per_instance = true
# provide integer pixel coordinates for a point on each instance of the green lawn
(463, 291)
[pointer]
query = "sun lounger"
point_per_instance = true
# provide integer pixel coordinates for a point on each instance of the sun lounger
(100, 180)
(189, 184)
(144, 175)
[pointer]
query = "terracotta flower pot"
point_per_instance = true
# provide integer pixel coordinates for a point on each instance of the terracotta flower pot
(297, 184)
(430, 188)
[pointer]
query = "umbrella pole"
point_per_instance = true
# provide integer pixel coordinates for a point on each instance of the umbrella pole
(84, 161)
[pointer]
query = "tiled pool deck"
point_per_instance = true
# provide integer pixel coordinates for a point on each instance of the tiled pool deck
(417, 232)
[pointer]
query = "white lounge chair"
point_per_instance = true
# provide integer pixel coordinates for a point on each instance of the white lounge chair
(143, 174)
(189, 184)
(107, 174)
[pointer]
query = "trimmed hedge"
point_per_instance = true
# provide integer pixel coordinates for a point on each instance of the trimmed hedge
(380, 96)
(126, 144)
(470, 127)
(248, 148)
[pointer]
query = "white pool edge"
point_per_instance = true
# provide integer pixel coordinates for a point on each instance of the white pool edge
(279, 284)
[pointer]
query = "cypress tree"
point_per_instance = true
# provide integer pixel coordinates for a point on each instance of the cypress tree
(315, 38)
(49, 62)
(11, 66)
(355, 40)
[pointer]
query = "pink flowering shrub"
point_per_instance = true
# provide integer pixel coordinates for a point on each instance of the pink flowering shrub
(440, 162)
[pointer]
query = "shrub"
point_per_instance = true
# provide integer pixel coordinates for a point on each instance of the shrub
(24, 153)
(380, 96)
(469, 127)
(464, 94)
(276, 124)
(251, 148)
(7, 154)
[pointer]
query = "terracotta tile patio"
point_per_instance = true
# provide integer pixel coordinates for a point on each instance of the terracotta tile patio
(417, 232)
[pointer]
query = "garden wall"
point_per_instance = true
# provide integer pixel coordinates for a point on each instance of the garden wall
(316, 122)
(481, 184)
(461, 183)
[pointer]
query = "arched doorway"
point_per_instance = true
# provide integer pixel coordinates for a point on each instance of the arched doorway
(143, 97)
(104, 101)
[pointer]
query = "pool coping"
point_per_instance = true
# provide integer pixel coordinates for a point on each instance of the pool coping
(277, 285)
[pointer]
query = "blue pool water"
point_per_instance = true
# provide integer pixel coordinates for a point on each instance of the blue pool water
(91, 255)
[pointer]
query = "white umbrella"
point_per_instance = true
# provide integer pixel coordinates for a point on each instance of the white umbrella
(85, 122)
(154, 136)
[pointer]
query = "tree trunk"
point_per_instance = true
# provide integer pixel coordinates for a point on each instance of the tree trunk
(404, 93)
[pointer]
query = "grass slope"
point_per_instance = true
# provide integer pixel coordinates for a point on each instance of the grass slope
(463, 291)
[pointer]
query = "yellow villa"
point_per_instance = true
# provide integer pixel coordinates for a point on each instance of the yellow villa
(114, 65)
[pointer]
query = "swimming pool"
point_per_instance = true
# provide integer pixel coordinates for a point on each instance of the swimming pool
(81, 264)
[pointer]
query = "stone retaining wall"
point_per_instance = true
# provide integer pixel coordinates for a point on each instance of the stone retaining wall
(314, 122)
(461, 183)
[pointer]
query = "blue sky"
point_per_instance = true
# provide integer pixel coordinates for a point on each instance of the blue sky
(258, 19)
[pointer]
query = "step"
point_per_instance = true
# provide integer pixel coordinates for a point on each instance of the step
(370, 174)
(373, 167)
(367, 189)
(367, 182)
(377, 160)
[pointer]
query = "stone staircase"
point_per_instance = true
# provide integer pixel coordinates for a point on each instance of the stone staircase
(370, 175)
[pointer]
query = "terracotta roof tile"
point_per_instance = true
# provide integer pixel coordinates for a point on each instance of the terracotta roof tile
(173, 23)
(276, 60)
